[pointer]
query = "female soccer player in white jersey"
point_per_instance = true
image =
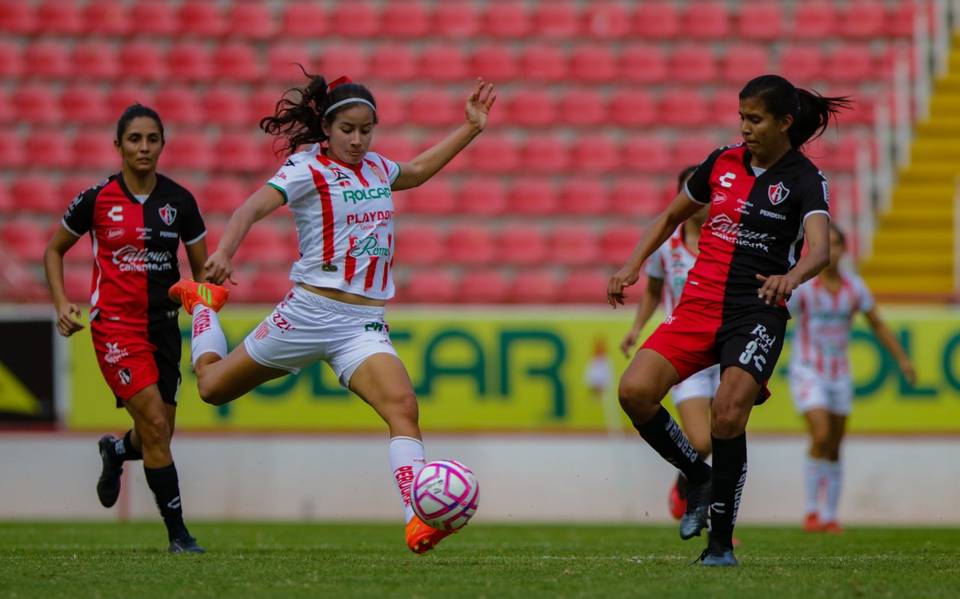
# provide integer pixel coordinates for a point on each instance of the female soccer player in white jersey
(820, 380)
(341, 197)
(666, 275)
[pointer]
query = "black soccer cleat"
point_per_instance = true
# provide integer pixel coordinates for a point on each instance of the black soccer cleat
(717, 557)
(694, 519)
(185, 544)
(108, 485)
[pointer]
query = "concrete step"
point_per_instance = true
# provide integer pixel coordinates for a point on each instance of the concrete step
(936, 150)
(905, 269)
(899, 285)
(931, 173)
(920, 193)
(887, 241)
(945, 127)
(922, 223)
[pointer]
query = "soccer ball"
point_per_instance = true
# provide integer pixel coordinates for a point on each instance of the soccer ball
(445, 494)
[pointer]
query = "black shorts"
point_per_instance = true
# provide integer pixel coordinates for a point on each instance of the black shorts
(753, 341)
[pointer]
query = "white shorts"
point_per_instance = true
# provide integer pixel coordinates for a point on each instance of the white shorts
(811, 391)
(698, 384)
(305, 328)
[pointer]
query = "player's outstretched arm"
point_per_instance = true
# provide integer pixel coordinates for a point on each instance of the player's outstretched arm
(648, 305)
(68, 315)
(427, 164)
(889, 341)
(265, 200)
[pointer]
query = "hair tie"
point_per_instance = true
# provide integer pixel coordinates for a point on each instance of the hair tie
(338, 81)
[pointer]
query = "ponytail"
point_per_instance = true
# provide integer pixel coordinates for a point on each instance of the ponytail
(301, 111)
(811, 111)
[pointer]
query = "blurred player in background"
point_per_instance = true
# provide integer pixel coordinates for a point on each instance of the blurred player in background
(820, 380)
(136, 220)
(765, 196)
(667, 272)
(340, 196)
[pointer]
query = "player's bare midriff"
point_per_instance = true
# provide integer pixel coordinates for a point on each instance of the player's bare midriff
(343, 296)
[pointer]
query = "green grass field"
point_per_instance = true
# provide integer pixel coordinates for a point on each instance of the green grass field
(343, 560)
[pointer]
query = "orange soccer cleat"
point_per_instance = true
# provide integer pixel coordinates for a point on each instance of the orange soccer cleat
(812, 523)
(190, 293)
(422, 537)
(832, 528)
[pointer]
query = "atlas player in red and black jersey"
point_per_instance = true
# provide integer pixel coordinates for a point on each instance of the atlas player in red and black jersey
(765, 199)
(136, 220)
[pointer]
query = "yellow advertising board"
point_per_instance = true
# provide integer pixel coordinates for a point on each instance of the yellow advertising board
(526, 370)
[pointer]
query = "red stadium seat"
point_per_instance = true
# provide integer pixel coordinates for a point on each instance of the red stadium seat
(483, 196)
(237, 152)
(94, 150)
(179, 105)
(436, 197)
(59, 17)
(584, 196)
(154, 17)
(533, 197)
(189, 61)
(344, 59)
(556, 20)
(36, 104)
(105, 17)
(573, 245)
(495, 62)
(693, 64)
(705, 20)
(801, 63)
(725, 108)
(188, 150)
(226, 105)
(94, 60)
(47, 58)
(617, 242)
(486, 286)
(356, 19)
(509, 18)
(25, 239)
(693, 150)
(419, 244)
(200, 17)
(36, 193)
(222, 195)
(587, 286)
(7, 114)
(814, 20)
(443, 62)
(396, 147)
(456, 19)
(864, 19)
(434, 107)
(900, 19)
(72, 186)
(17, 18)
(142, 61)
(282, 61)
(77, 284)
(121, 96)
(6, 202)
(10, 65)
(532, 108)
(471, 245)
(636, 197)
(548, 154)
(84, 103)
(643, 64)
(535, 287)
(429, 287)
(761, 21)
(683, 108)
(544, 63)
(606, 20)
(304, 20)
(656, 20)
(850, 63)
(393, 62)
(647, 153)
(583, 107)
(268, 286)
(11, 149)
(522, 244)
(392, 110)
(596, 154)
(458, 165)
(494, 153)
(742, 63)
(594, 64)
(632, 108)
(405, 19)
(263, 102)
(251, 19)
(263, 245)
(237, 62)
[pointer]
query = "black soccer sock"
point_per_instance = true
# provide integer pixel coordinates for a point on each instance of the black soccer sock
(666, 437)
(729, 476)
(126, 451)
(166, 490)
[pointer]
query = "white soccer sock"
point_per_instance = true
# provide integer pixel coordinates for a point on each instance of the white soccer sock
(834, 475)
(406, 461)
(811, 476)
(207, 335)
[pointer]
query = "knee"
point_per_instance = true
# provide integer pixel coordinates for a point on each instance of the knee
(702, 444)
(637, 396)
(402, 407)
(154, 432)
(728, 423)
(820, 444)
(210, 392)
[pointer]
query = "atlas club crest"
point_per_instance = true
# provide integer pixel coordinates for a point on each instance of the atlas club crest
(777, 193)
(168, 214)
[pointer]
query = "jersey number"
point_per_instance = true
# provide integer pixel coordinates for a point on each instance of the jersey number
(758, 361)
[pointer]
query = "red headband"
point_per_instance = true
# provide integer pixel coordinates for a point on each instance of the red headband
(338, 81)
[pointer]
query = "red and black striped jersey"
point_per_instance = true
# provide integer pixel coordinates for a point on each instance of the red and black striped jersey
(755, 224)
(134, 246)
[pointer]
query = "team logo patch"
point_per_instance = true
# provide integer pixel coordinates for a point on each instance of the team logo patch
(339, 175)
(777, 193)
(167, 214)
(125, 376)
(261, 332)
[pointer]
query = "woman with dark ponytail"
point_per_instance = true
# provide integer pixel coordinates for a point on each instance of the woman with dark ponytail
(765, 197)
(340, 194)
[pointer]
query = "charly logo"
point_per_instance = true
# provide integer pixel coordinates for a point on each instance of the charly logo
(168, 214)
(133, 259)
(777, 193)
(116, 214)
(726, 178)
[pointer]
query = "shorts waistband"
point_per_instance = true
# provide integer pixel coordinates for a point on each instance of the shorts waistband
(333, 305)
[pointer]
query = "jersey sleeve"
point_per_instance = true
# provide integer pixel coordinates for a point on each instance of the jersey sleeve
(192, 228)
(654, 265)
(78, 219)
(865, 301)
(815, 195)
(293, 179)
(697, 186)
(392, 168)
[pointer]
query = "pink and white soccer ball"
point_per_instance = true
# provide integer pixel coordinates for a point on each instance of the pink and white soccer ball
(445, 494)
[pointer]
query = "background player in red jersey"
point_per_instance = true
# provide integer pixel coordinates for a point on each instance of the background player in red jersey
(136, 220)
(820, 380)
(340, 194)
(667, 272)
(765, 196)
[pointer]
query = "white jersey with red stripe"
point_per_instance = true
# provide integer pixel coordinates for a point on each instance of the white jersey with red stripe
(671, 263)
(344, 218)
(821, 331)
